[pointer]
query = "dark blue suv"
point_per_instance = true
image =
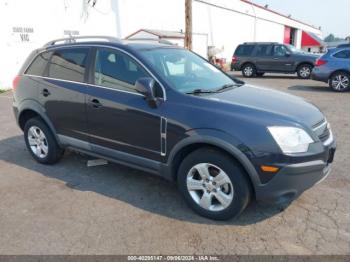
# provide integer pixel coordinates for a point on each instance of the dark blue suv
(165, 110)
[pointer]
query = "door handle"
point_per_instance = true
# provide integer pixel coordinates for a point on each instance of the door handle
(95, 103)
(45, 92)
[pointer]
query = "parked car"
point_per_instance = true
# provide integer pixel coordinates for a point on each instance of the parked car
(165, 110)
(256, 59)
(334, 68)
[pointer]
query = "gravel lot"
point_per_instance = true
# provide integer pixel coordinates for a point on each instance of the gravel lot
(72, 209)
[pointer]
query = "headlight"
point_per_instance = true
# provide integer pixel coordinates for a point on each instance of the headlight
(291, 139)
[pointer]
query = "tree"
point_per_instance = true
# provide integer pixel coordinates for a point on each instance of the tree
(332, 38)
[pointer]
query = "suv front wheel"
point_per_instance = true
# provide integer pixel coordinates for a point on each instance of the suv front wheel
(41, 143)
(249, 70)
(213, 184)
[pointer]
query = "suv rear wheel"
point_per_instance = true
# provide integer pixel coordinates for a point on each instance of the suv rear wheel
(340, 82)
(41, 143)
(249, 70)
(213, 184)
(304, 71)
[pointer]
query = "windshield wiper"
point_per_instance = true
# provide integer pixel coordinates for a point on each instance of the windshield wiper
(222, 88)
(201, 91)
(227, 86)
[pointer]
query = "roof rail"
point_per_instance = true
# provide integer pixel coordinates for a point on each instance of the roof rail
(251, 43)
(160, 41)
(73, 39)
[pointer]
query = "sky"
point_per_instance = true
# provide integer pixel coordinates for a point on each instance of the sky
(332, 15)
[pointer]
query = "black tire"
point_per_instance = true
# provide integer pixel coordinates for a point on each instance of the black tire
(54, 152)
(260, 74)
(334, 79)
(249, 70)
(237, 176)
(304, 71)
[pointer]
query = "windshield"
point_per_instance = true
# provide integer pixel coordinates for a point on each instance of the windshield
(186, 71)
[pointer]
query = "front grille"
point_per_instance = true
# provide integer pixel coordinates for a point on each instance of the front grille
(326, 134)
(318, 124)
(322, 130)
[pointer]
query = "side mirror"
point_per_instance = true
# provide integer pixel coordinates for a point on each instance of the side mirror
(145, 87)
(288, 54)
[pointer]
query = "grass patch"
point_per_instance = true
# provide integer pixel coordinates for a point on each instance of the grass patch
(3, 90)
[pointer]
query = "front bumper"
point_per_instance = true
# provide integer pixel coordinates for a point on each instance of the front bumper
(292, 180)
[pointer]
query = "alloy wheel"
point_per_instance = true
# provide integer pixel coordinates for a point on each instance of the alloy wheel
(340, 82)
(38, 142)
(248, 71)
(210, 187)
(305, 72)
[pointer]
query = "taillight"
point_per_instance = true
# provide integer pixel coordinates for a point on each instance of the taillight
(320, 62)
(15, 82)
(234, 59)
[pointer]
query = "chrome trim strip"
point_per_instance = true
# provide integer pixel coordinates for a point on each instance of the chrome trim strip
(82, 83)
(306, 164)
(163, 135)
(322, 125)
(330, 139)
(104, 46)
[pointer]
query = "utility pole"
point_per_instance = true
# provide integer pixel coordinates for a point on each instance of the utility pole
(188, 17)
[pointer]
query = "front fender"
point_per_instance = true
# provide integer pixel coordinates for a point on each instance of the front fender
(223, 141)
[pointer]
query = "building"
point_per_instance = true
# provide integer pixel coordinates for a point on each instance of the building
(222, 24)
(312, 43)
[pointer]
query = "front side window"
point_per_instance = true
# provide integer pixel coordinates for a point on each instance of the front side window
(185, 71)
(38, 66)
(117, 70)
(68, 64)
(279, 50)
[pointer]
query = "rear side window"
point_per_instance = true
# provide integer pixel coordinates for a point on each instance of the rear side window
(38, 66)
(343, 54)
(244, 50)
(263, 50)
(68, 64)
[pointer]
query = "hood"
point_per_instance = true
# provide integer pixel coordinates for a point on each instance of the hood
(275, 102)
